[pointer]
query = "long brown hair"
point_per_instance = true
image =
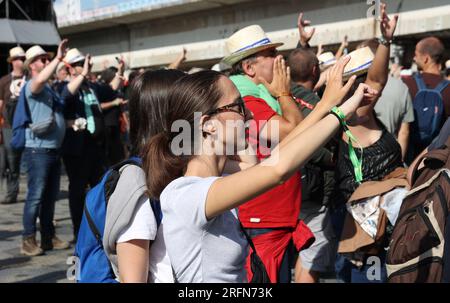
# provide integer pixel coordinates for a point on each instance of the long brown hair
(198, 92)
(148, 105)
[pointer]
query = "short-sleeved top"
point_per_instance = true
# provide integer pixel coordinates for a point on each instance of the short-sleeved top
(105, 94)
(7, 84)
(280, 206)
(431, 81)
(395, 107)
(143, 225)
(441, 139)
(41, 106)
(201, 250)
(379, 159)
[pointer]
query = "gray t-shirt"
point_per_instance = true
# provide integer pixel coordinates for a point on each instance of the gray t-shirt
(201, 251)
(395, 106)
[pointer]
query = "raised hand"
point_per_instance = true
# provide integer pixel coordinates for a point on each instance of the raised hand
(121, 65)
(62, 49)
(362, 96)
(387, 25)
(87, 66)
(281, 78)
(305, 36)
(335, 90)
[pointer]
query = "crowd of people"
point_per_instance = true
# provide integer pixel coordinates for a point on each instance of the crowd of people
(323, 124)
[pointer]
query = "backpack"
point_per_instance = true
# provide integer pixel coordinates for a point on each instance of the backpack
(417, 247)
(93, 263)
(428, 107)
(21, 121)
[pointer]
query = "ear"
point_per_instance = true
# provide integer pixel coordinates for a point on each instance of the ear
(207, 126)
(315, 70)
(248, 68)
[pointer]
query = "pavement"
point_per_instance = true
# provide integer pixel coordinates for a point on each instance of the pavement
(17, 268)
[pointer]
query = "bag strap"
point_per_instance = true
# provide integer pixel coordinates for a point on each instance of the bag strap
(442, 85)
(132, 160)
(437, 154)
(250, 241)
(420, 83)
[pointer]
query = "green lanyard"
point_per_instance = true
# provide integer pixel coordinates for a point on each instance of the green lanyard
(356, 162)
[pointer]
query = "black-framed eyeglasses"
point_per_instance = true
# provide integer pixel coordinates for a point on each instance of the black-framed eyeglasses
(236, 107)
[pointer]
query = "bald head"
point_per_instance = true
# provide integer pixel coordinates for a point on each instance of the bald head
(432, 47)
(304, 66)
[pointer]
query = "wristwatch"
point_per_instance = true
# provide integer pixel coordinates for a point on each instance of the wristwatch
(384, 41)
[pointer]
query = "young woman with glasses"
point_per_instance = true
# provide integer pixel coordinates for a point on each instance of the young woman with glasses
(199, 194)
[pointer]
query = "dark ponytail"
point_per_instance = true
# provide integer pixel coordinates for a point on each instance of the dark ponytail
(162, 163)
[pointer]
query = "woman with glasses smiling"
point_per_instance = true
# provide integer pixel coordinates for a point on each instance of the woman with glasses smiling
(199, 192)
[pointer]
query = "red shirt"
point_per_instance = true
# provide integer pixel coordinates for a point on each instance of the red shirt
(280, 206)
(431, 81)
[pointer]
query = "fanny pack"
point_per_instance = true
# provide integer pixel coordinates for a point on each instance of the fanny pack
(44, 127)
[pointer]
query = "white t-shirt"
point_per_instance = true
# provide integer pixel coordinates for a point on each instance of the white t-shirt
(144, 227)
(211, 251)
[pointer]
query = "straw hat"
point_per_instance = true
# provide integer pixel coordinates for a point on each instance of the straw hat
(33, 52)
(326, 60)
(73, 56)
(15, 52)
(360, 62)
(245, 42)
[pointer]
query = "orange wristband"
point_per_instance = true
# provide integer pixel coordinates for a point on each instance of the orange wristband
(286, 94)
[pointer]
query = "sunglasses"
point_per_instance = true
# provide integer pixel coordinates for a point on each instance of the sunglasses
(239, 103)
(43, 60)
(19, 58)
(80, 64)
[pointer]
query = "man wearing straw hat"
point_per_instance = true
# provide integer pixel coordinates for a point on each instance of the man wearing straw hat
(10, 86)
(43, 139)
(272, 218)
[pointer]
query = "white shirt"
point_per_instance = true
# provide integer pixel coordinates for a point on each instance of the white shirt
(144, 227)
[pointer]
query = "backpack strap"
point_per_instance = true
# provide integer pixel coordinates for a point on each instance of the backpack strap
(442, 85)
(130, 161)
(114, 175)
(249, 239)
(437, 154)
(420, 83)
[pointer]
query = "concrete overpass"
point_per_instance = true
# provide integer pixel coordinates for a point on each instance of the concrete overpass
(154, 35)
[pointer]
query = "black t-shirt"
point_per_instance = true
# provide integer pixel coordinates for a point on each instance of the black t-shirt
(379, 160)
(75, 143)
(105, 93)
